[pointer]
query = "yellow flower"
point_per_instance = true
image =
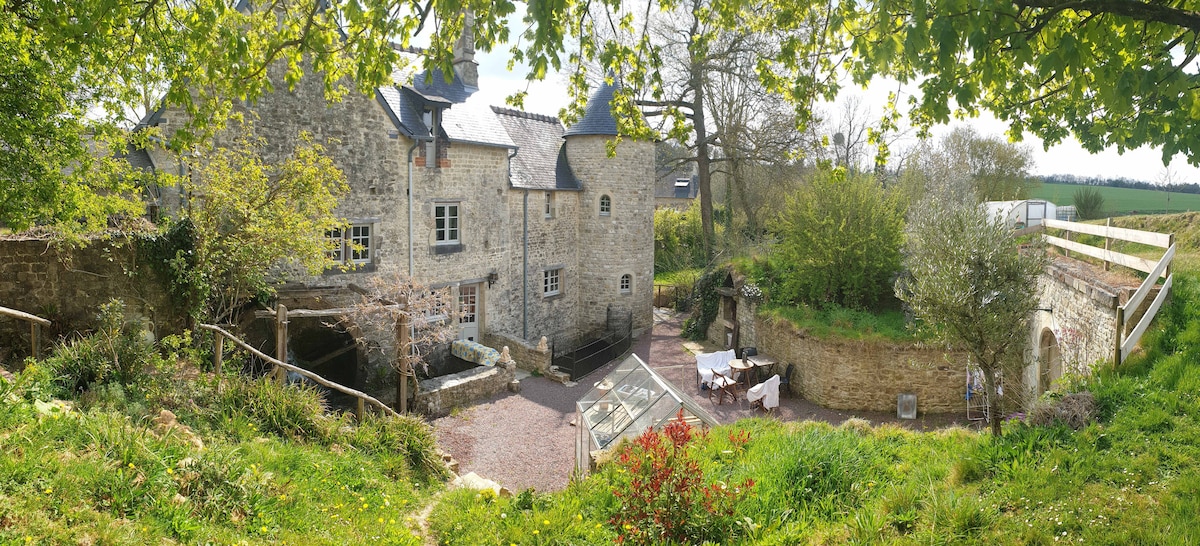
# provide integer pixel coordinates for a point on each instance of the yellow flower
(578, 517)
(535, 531)
(264, 528)
(169, 471)
(380, 520)
(545, 522)
(131, 465)
(49, 490)
(365, 505)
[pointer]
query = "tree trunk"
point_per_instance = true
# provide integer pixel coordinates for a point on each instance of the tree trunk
(989, 382)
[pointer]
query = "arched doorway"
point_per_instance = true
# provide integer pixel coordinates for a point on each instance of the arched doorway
(1049, 361)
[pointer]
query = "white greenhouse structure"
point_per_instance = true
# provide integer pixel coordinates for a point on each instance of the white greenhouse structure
(624, 404)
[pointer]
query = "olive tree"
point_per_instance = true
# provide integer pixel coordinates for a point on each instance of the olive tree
(968, 282)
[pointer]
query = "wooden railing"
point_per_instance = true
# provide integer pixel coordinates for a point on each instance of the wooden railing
(1124, 344)
(221, 334)
(35, 328)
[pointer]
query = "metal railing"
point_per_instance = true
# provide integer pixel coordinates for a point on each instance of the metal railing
(585, 356)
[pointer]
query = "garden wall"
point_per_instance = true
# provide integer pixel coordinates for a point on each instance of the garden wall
(67, 286)
(527, 356)
(865, 376)
(437, 396)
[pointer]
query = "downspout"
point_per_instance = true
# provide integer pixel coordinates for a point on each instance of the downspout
(525, 266)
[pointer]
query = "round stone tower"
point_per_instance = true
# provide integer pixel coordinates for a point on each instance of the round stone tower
(616, 220)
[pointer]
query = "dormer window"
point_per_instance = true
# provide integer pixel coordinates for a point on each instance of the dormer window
(431, 117)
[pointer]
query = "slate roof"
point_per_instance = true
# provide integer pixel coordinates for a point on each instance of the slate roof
(541, 160)
(597, 117)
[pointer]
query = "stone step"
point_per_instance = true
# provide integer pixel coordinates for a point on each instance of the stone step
(558, 374)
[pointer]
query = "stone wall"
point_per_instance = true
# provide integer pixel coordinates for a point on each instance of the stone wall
(526, 355)
(868, 376)
(439, 395)
(67, 286)
(621, 243)
(1081, 313)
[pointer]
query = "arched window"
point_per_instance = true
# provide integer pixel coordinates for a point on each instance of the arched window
(605, 205)
(626, 283)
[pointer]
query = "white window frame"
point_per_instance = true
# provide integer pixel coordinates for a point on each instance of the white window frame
(338, 253)
(360, 243)
(626, 284)
(362, 234)
(549, 204)
(605, 205)
(443, 235)
(552, 282)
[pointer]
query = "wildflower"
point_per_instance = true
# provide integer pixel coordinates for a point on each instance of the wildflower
(264, 528)
(131, 466)
(169, 471)
(578, 517)
(49, 490)
(535, 531)
(545, 522)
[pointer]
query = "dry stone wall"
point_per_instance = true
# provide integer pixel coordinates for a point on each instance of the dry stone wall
(851, 375)
(68, 286)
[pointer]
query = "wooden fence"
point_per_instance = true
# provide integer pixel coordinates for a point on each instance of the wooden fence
(1154, 270)
(35, 328)
(221, 334)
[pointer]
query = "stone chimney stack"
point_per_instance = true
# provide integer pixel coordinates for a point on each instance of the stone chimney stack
(464, 52)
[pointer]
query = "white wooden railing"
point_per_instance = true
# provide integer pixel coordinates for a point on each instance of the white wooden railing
(1124, 344)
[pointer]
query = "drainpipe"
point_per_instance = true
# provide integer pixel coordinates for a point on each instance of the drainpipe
(417, 140)
(525, 266)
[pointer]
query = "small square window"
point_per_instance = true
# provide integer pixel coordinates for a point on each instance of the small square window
(551, 282)
(626, 284)
(446, 224)
(353, 245)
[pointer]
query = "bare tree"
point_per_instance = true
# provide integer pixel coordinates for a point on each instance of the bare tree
(420, 318)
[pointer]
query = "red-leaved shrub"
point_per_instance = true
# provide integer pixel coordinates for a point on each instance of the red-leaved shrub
(663, 494)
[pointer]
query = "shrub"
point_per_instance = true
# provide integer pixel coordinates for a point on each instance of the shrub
(840, 241)
(114, 352)
(662, 492)
(1089, 203)
(707, 301)
(1075, 410)
(286, 410)
(678, 239)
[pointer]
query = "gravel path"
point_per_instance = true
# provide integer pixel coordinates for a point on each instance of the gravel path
(526, 440)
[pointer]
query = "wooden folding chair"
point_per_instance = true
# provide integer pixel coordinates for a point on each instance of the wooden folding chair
(722, 385)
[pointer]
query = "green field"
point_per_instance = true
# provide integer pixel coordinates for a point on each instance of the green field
(1121, 201)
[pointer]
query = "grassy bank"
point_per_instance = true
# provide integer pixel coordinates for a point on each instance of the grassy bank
(257, 463)
(1121, 201)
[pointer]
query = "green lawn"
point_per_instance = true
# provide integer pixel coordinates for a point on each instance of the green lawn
(1120, 201)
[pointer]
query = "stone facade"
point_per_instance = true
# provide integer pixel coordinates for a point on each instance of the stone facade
(507, 242)
(67, 286)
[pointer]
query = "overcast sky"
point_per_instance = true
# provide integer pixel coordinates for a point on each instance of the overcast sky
(547, 97)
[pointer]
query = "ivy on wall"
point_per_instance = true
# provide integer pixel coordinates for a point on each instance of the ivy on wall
(170, 253)
(707, 301)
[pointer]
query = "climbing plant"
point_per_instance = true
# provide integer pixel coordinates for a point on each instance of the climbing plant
(706, 301)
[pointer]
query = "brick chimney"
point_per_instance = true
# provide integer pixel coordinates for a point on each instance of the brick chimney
(464, 52)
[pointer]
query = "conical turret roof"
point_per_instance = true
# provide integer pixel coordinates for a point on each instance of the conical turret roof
(597, 116)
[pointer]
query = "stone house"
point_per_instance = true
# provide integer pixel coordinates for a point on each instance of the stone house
(537, 230)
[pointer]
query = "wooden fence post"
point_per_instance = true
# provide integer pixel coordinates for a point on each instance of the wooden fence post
(281, 334)
(1120, 334)
(358, 413)
(218, 359)
(402, 354)
(36, 339)
(1107, 243)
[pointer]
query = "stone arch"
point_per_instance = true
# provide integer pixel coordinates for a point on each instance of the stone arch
(1049, 360)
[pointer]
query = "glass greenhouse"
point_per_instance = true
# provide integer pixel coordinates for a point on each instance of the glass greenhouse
(629, 400)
